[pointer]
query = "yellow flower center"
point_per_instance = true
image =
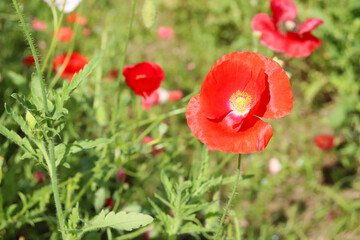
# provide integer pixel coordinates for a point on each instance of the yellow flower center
(140, 76)
(240, 102)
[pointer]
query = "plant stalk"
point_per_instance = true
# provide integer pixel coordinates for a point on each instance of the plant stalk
(219, 230)
(55, 188)
(33, 51)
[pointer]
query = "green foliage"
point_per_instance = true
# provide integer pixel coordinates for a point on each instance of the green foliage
(149, 13)
(121, 221)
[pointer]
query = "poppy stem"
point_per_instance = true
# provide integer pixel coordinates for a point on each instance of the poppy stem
(33, 51)
(220, 230)
(128, 34)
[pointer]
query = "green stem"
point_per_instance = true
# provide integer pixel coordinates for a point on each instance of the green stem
(55, 188)
(219, 230)
(128, 33)
(33, 51)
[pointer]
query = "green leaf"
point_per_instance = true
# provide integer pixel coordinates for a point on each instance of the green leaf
(62, 150)
(74, 218)
(35, 86)
(13, 136)
(19, 120)
(100, 198)
(122, 221)
(68, 89)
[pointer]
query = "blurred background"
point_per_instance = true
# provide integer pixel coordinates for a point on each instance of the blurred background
(299, 190)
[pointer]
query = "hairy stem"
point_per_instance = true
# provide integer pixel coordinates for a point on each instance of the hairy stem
(33, 51)
(220, 230)
(55, 188)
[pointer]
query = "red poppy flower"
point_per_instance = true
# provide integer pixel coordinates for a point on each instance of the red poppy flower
(165, 32)
(324, 141)
(29, 61)
(282, 34)
(75, 64)
(39, 25)
(76, 18)
(240, 89)
(144, 78)
(65, 34)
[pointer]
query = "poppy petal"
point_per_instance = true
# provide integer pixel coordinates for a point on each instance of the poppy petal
(277, 101)
(254, 134)
(300, 46)
(309, 25)
(270, 37)
(243, 72)
(283, 10)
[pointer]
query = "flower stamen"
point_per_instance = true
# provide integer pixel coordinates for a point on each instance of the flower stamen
(141, 76)
(240, 102)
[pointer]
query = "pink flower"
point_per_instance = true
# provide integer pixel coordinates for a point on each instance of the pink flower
(274, 166)
(86, 32)
(155, 149)
(39, 25)
(160, 96)
(165, 32)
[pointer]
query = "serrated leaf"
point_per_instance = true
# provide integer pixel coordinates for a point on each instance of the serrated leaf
(121, 221)
(74, 218)
(62, 149)
(19, 120)
(149, 13)
(13, 136)
(35, 86)
(68, 89)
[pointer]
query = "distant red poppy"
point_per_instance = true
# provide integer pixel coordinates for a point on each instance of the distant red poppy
(155, 149)
(75, 64)
(324, 141)
(39, 176)
(39, 25)
(65, 34)
(240, 88)
(282, 33)
(76, 18)
(112, 75)
(175, 96)
(122, 177)
(144, 78)
(165, 32)
(28, 60)
(109, 202)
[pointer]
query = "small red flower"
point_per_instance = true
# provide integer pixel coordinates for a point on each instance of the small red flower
(175, 96)
(122, 177)
(75, 64)
(240, 88)
(29, 61)
(109, 202)
(155, 149)
(282, 34)
(76, 18)
(144, 78)
(39, 25)
(165, 32)
(39, 176)
(65, 34)
(112, 75)
(324, 141)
